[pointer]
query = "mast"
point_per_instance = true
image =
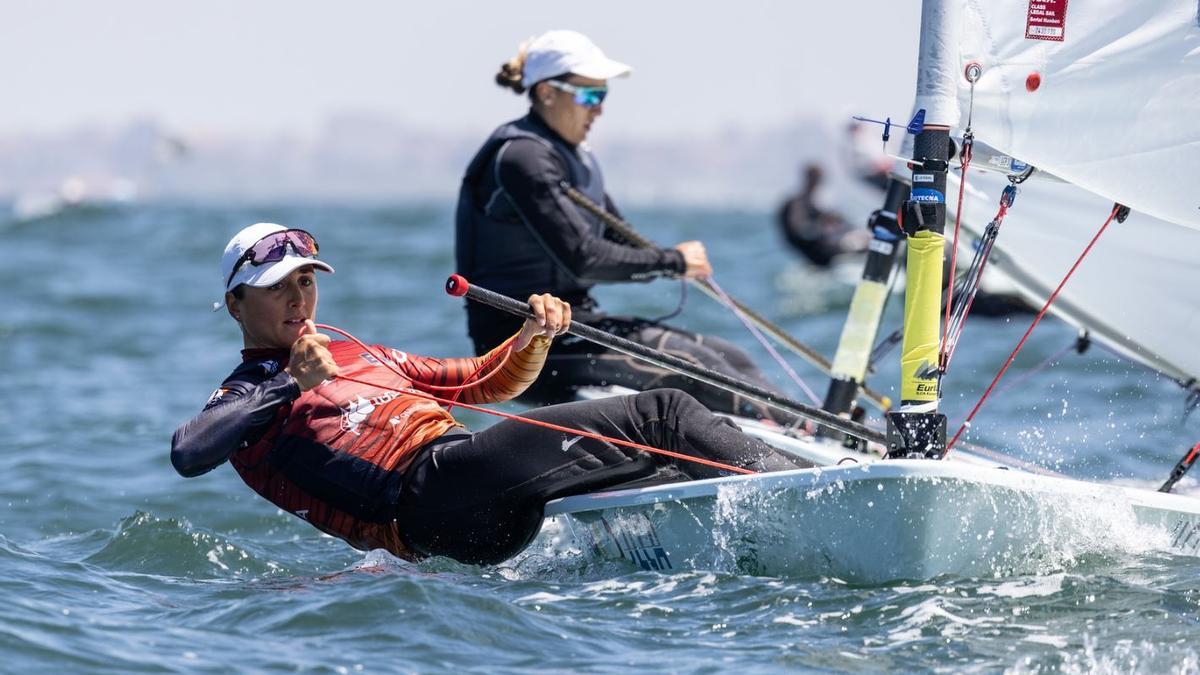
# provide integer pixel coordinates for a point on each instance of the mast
(850, 362)
(918, 429)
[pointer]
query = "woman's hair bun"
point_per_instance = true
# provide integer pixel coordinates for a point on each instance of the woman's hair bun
(512, 71)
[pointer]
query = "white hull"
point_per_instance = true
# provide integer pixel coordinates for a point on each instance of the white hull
(873, 522)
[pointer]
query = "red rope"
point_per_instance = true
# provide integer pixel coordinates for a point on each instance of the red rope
(457, 389)
(449, 403)
(1028, 331)
(1192, 455)
(556, 427)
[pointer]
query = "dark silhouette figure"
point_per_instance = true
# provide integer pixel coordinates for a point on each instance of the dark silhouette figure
(817, 234)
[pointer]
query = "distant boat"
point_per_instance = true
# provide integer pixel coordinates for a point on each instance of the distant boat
(73, 193)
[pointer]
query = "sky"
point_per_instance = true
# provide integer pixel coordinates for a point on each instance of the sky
(263, 67)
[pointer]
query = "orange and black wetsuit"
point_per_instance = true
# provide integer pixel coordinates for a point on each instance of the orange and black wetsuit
(381, 468)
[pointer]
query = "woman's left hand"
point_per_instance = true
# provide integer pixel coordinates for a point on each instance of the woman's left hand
(551, 316)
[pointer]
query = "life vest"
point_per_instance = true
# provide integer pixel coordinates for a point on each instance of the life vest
(494, 247)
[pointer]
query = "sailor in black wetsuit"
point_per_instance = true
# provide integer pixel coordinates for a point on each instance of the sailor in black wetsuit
(817, 234)
(517, 230)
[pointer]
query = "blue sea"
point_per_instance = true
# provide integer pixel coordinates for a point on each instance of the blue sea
(110, 562)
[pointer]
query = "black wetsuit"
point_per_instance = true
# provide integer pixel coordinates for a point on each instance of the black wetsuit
(800, 221)
(480, 498)
(518, 233)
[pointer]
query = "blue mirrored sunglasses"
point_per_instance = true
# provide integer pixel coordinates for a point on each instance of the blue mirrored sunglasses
(588, 97)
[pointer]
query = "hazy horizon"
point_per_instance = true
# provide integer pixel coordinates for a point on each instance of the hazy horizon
(274, 99)
(278, 67)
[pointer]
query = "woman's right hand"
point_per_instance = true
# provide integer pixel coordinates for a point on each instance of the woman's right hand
(311, 363)
(696, 259)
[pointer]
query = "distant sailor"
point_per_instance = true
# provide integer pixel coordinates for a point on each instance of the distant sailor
(816, 233)
(519, 233)
(333, 433)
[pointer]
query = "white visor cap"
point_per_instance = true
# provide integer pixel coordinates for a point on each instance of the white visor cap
(559, 52)
(266, 274)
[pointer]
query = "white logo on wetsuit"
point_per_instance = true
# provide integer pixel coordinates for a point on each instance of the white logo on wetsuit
(357, 411)
(568, 442)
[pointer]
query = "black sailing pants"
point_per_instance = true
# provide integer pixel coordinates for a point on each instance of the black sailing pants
(479, 498)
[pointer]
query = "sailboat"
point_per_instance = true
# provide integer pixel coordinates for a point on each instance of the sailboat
(1100, 100)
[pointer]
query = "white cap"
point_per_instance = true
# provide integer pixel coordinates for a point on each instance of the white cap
(559, 52)
(266, 274)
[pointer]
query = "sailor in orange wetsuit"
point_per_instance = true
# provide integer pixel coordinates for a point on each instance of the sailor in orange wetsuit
(332, 433)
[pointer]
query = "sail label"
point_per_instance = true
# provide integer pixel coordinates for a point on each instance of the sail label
(928, 196)
(1001, 162)
(1047, 20)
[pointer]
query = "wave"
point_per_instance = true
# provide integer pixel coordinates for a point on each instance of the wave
(147, 544)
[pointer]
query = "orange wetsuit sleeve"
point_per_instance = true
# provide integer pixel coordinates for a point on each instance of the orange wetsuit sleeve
(513, 377)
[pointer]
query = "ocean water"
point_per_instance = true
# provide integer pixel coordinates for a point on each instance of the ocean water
(110, 562)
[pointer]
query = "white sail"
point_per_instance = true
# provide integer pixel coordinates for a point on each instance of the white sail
(1104, 94)
(1135, 292)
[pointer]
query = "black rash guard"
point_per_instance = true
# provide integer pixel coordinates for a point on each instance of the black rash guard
(236, 416)
(532, 176)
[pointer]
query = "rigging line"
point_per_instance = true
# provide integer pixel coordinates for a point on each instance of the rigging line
(974, 276)
(964, 162)
(683, 286)
(555, 427)
(1048, 361)
(763, 341)
(1117, 208)
(1190, 404)
(972, 74)
(635, 238)
(457, 286)
(884, 347)
(451, 402)
(503, 354)
(1073, 345)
